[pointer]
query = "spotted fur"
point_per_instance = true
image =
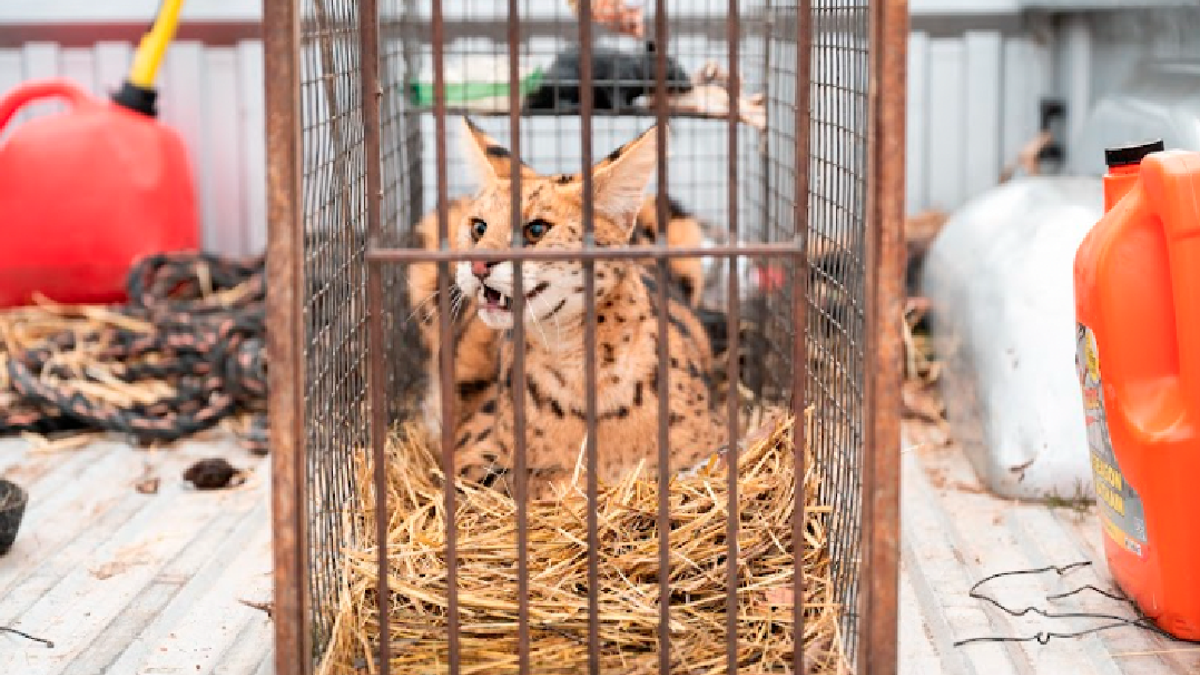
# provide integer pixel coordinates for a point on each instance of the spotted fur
(627, 337)
(476, 360)
(476, 356)
(683, 230)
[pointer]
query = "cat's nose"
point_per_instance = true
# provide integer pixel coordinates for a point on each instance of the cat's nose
(482, 268)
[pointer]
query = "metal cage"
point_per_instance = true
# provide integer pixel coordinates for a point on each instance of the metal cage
(356, 157)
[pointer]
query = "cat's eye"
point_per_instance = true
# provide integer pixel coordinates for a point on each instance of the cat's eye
(478, 228)
(536, 229)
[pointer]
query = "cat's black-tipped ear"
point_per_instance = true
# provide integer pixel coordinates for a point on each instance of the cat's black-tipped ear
(622, 177)
(489, 160)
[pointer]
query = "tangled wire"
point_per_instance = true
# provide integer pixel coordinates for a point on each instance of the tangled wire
(186, 352)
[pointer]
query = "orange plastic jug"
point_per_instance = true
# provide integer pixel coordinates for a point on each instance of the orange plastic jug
(1137, 303)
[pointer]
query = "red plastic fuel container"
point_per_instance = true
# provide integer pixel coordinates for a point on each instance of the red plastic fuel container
(86, 193)
(1137, 302)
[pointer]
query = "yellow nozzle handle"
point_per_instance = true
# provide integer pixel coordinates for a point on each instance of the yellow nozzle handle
(154, 43)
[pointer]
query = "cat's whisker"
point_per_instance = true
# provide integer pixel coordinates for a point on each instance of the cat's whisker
(558, 333)
(458, 300)
(538, 324)
(424, 304)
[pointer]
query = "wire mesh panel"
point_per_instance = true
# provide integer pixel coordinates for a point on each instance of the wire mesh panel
(759, 239)
(335, 274)
(837, 229)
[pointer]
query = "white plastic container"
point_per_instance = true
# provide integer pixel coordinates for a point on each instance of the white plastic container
(999, 278)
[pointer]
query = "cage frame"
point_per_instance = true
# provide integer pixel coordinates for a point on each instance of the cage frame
(877, 651)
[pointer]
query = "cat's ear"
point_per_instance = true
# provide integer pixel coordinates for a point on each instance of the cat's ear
(621, 178)
(489, 160)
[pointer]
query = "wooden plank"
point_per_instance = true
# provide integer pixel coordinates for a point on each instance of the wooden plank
(100, 591)
(223, 232)
(942, 573)
(149, 621)
(88, 586)
(267, 667)
(254, 149)
(1177, 657)
(60, 514)
(918, 652)
(947, 111)
(983, 82)
(956, 533)
(253, 652)
(989, 547)
(917, 145)
(216, 618)
(1049, 541)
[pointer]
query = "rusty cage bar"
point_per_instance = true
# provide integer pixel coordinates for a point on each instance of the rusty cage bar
(357, 106)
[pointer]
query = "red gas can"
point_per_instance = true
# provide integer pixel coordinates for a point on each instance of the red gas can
(86, 193)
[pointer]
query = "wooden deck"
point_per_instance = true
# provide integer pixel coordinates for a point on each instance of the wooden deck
(165, 583)
(136, 584)
(955, 533)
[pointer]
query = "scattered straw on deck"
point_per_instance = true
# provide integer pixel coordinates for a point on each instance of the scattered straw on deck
(558, 563)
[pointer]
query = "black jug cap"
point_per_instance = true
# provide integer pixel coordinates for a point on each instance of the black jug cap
(1131, 154)
(137, 99)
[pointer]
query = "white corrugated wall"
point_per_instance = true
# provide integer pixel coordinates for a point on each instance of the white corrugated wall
(973, 96)
(973, 102)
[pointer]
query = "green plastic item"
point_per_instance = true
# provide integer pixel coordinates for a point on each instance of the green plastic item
(463, 93)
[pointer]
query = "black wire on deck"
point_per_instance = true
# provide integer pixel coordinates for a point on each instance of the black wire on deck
(1044, 637)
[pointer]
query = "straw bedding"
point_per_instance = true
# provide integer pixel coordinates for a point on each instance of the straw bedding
(628, 593)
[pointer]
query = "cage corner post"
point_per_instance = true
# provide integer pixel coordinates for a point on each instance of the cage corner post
(370, 95)
(885, 269)
(285, 336)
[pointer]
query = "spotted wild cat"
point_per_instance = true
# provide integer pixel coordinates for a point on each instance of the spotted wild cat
(627, 374)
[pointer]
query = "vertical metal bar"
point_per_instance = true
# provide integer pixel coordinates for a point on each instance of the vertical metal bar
(518, 310)
(368, 34)
(770, 211)
(446, 335)
(378, 407)
(412, 168)
(733, 328)
(803, 132)
(885, 292)
(589, 334)
(285, 340)
(664, 409)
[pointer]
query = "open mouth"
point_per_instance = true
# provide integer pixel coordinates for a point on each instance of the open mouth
(495, 300)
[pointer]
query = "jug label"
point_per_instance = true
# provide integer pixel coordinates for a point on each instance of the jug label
(1120, 507)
